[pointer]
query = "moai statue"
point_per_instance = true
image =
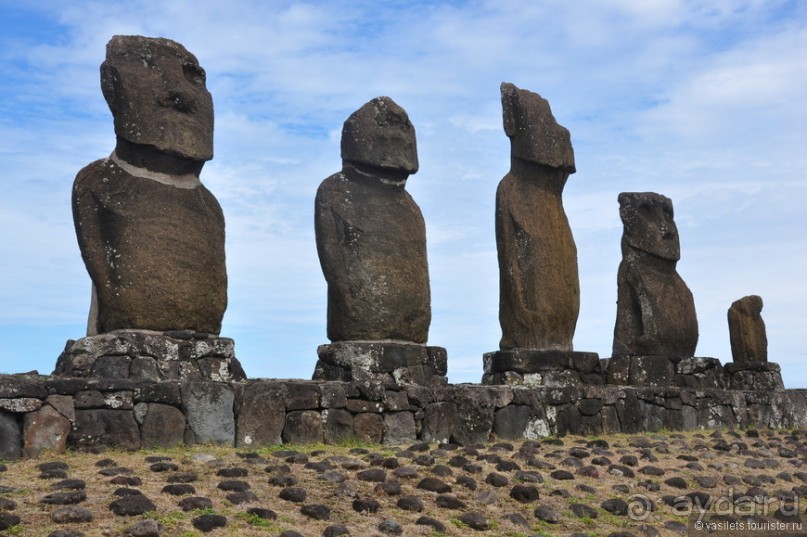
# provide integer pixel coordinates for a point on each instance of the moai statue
(371, 240)
(539, 290)
(750, 369)
(656, 325)
(151, 235)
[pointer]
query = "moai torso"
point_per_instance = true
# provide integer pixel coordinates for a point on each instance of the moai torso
(749, 340)
(151, 235)
(655, 308)
(371, 237)
(539, 293)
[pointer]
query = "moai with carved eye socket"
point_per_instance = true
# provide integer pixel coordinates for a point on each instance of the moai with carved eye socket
(656, 325)
(371, 241)
(150, 234)
(539, 290)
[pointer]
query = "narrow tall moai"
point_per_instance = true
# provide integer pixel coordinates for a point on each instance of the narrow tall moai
(749, 340)
(151, 235)
(371, 241)
(539, 289)
(656, 330)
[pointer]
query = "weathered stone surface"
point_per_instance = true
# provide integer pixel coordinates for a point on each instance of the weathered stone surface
(438, 422)
(371, 237)
(756, 377)
(542, 368)
(262, 415)
(408, 363)
(749, 341)
(539, 291)
(338, 426)
(368, 427)
(399, 428)
(510, 422)
(104, 427)
(208, 407)
(10, 436)
(151, 235)
(44, 430)
(303, 427)
(163, 427)
(20, 405)
(655, 308)
(474, 416)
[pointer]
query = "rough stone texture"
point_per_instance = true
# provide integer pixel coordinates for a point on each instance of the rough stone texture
(539, 291)
(399, 428)
(754, 377)
(10, 436)
(382, 361)
(208, 408)
(104, 427)
(262, 415)
(44, 430)
(151, 235)
(371, 237)
(542, 368)
(655, 308)
(138, 354)
(303, 427)
(163, 427)
(749, 341)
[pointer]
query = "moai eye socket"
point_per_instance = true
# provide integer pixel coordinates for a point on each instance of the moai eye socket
(194, 73)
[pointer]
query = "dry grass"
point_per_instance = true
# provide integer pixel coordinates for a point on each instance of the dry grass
(24, 477)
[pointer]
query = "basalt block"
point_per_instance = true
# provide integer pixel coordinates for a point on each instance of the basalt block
(542, 368)
(762, 377)
(153, 356)
(382, 361)
(666, 371)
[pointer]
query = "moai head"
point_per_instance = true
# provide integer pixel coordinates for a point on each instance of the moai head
(649, 225)
(380, 135)
(534, 134)
(156, 91)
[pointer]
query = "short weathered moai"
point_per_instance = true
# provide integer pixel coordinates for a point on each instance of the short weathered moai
(750, 369)
(656, 329)
(539, 290)
(371, 240)
(151, 235)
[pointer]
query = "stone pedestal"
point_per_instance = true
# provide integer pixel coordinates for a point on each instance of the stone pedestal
(155, 356)
(761, 376)
(665, 370)
(384, 361)
(542, 368)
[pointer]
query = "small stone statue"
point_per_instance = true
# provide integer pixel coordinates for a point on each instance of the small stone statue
(371, 237)
(539, 291)
(655, 308)
(749, 342)
(151, 235)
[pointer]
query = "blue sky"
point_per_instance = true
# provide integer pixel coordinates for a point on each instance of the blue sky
(705, 102)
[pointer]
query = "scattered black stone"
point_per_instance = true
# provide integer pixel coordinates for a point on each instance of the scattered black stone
(615, 506)
(105, 463)
(117, 470)
(579, 453)
(234, 486)
(390, 488)
(7, 505)
(524, 493)
(601, 461)
(195, 502)
(487, 497)
(367, 505)
(316, 511)
(157, 458)
(496, 480)
(332, 476)
(64, 533)
(163, 467)
(8, 520)
(69, 484)
(560, 492)
(53, 474)
(676, 482)
(419, 447)
(449, 501)
(466, 481)
(651, 470)
(458, 461)
(436, 525)
(335, 531)
(373, 475)
(472, 468)
(621, 470)
(588, 471)
(71, 515)
(390, 527)
(582, 487)
(547, 514)
(474, 521)
(561, 475)
(297, 458)
(262, 513)
(182, 477)
(64, 498)
(291, 533)
(507, 466)
(144, 528)
(293, 494)
(441, 470)
(132, 505)
(572, 462)
(127, 481)
(283, 480)
(516, 519)
(582, 510)
(209, 522)
(423, 460)
(390, 463)
(179, 489)
(707, 482)
(433, 484)
(232, 472)
(241, 497)
(410, 503)
(406, 472)
(55, 465)
(677, 527)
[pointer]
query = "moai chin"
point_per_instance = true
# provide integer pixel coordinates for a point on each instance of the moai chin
(656, 325)
(371, 241)
(150, 234)
(539, 290)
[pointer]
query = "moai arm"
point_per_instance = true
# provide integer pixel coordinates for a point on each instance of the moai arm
(87, 211)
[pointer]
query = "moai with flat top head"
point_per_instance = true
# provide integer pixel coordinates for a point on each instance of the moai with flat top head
(750, 369)
(151, 235)
(371, 241)
(539, 290)
(656, 325)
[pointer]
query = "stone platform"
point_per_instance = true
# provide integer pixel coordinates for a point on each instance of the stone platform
(390, 363)
(154, 356)
(542, 368)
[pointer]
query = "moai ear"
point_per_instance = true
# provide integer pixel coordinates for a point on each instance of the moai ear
(509, 108)
(109, 76)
